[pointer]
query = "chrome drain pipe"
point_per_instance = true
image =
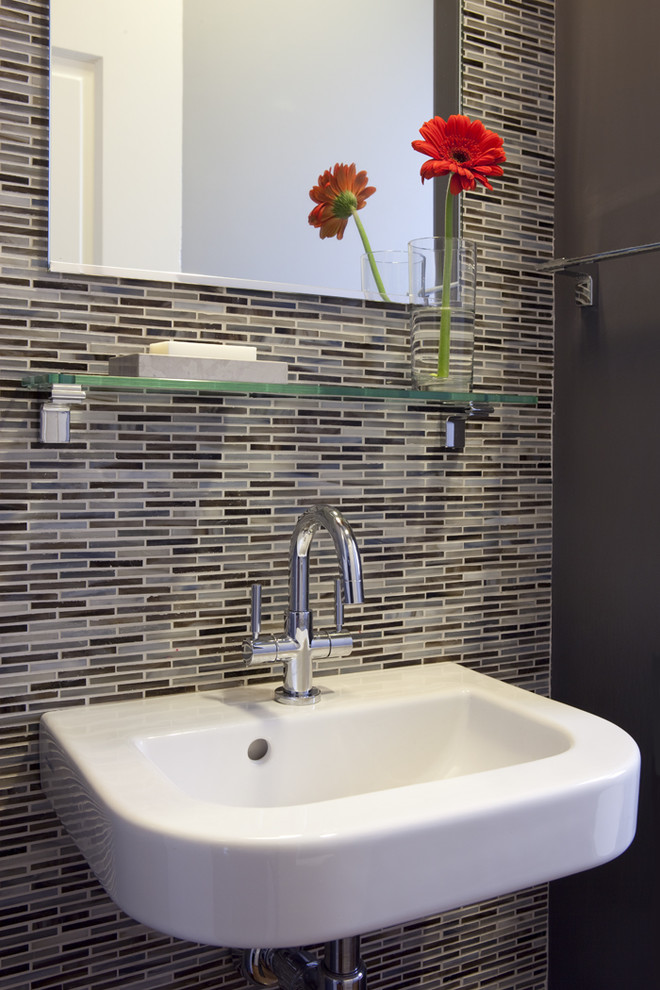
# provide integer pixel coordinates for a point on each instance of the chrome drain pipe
(342, 968)
(295, 969)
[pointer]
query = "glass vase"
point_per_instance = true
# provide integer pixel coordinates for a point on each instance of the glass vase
(443, 277)
(392, 268)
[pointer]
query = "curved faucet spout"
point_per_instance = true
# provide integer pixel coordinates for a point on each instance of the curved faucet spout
(346, 548)
(298, 646)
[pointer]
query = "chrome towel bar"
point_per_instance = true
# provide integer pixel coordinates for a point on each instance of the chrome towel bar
(585, 281)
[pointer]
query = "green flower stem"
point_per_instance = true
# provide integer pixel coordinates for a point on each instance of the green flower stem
(370, 255)
(445, 306)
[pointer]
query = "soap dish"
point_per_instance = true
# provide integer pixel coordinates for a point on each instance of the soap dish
(197, 369)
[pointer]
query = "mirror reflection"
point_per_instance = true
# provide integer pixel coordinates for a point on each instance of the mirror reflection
(186, 135)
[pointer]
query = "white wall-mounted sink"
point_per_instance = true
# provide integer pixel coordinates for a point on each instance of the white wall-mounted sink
(228, 819)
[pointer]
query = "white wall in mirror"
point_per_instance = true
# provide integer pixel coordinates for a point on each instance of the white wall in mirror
(218, 117)
(116, 133)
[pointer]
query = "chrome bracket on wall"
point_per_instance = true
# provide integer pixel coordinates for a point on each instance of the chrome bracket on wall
(585, 282)
(585, 285)
(455, 424)
(56, 414)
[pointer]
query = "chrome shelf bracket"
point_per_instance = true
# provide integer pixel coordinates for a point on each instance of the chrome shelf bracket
(56, 414)
(455, 424)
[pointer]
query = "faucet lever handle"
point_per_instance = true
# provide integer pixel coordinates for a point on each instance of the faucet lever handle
(339, 606)
(256, 611)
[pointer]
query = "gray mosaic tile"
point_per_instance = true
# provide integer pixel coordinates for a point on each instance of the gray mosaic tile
(127, 557)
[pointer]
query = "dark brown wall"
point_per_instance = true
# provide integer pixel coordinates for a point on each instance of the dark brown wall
(605, 923)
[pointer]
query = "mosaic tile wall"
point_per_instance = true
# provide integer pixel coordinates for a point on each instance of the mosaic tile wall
(127, 556)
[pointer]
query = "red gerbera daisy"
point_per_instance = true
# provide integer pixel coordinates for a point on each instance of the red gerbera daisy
(339, 193)
(463, 147)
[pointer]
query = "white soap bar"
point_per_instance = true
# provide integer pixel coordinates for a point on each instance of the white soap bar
(190, 348)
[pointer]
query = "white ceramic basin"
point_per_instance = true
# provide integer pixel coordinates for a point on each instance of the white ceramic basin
(228, 819)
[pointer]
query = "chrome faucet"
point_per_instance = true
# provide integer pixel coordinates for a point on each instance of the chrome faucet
(298, 647)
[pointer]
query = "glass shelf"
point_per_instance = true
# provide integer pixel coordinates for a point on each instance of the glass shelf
(45, 381)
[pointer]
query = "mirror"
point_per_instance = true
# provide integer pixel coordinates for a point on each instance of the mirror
(186, 134)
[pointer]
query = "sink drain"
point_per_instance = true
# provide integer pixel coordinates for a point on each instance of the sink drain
(258, 749)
